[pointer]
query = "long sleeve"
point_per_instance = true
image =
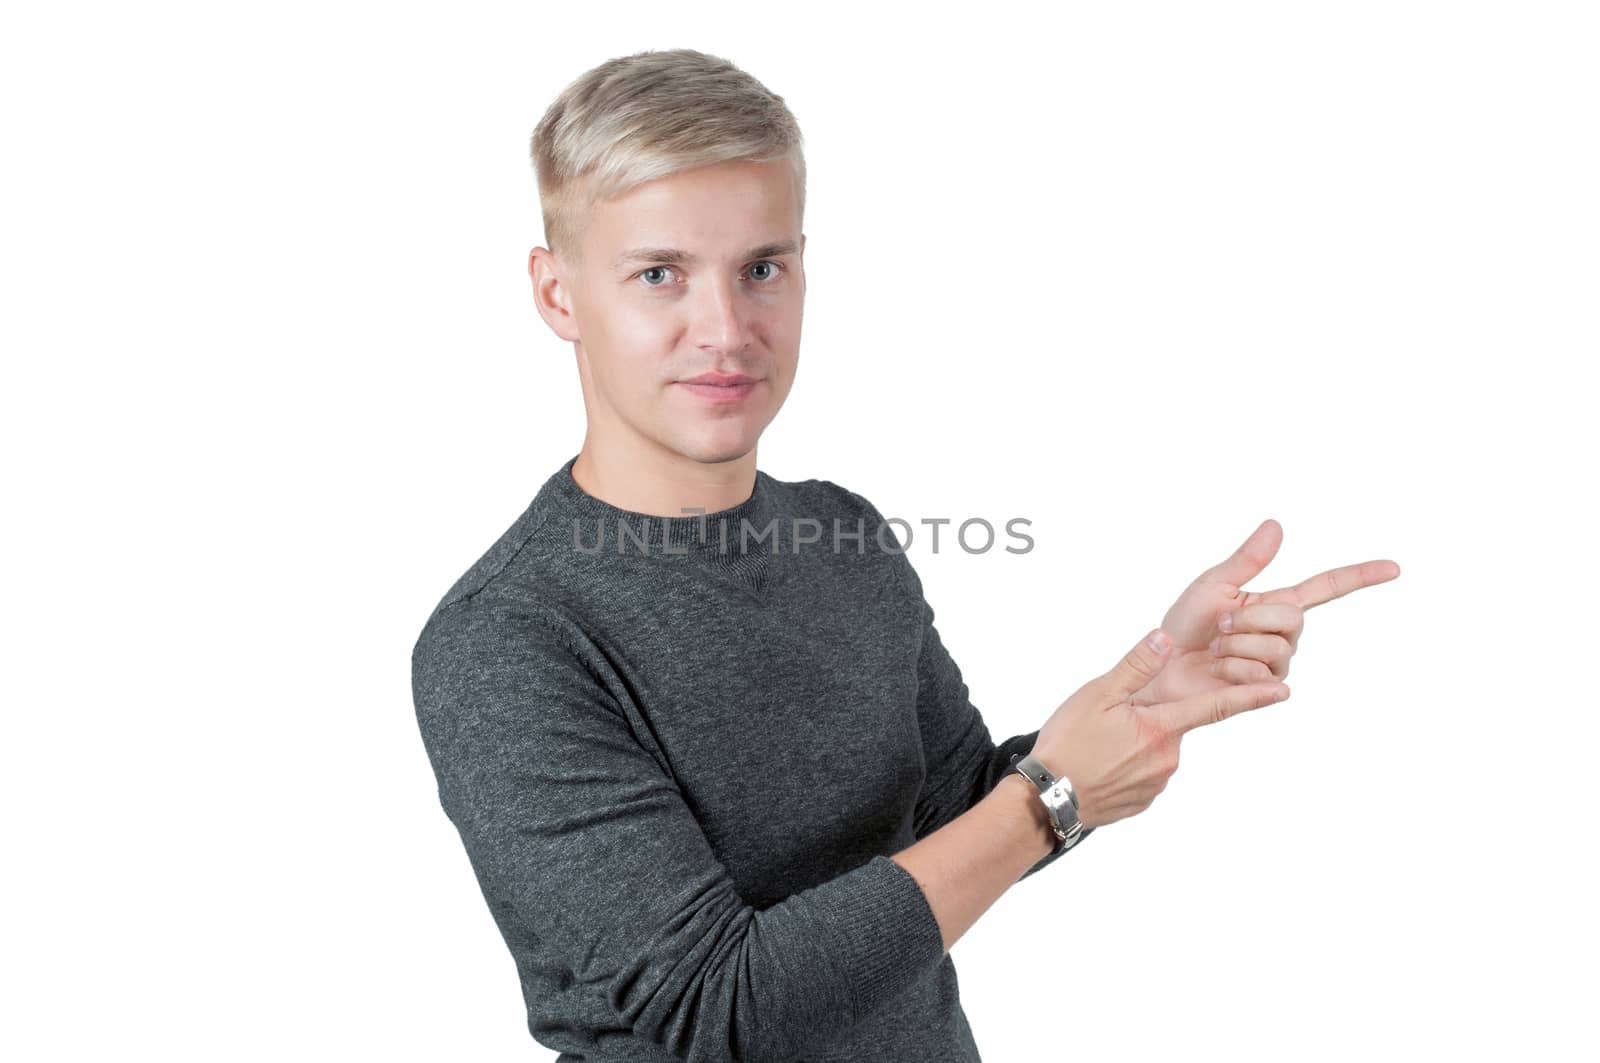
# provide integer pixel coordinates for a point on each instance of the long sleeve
(963, 762)
(580, 835)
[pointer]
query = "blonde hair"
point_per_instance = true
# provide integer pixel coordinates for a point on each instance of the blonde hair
(640, 117)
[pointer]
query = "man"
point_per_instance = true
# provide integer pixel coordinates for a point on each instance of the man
(721, 784)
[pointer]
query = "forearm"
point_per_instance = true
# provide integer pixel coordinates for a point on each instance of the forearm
(966, 865)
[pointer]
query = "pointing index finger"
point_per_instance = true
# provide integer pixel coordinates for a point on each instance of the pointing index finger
(1335, 583)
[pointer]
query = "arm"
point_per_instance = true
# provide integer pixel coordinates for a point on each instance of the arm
(579, 834)
(967, 864)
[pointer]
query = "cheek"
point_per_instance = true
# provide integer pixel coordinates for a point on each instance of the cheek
(639, 329)
(787, 325)
(630, 347)
(781, 332)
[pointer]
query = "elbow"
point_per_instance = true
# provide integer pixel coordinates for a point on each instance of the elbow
(729, 1002)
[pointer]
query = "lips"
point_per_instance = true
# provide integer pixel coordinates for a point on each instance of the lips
(721, 389)
(720, 380)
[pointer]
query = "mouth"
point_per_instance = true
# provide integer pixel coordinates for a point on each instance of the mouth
(721, 380)
(721, 387)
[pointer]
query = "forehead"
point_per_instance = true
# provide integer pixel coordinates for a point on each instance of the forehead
(720, 211)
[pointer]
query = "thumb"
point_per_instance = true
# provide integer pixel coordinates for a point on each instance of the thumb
(1139, 666)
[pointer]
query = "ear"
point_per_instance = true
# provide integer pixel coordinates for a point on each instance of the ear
(551, 294)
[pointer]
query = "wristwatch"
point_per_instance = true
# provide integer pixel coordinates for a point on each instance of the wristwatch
(1058, 797)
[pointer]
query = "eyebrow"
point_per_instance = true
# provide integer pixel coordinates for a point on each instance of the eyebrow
(673, 256)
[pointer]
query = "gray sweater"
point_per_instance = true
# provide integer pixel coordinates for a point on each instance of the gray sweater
(679, 753)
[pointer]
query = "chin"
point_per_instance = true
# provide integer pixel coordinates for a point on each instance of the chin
(714, 447)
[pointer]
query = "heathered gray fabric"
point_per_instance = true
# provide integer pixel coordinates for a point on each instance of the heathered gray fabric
(678, 772)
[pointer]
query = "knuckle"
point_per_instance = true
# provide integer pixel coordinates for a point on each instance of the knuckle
(1141, 661)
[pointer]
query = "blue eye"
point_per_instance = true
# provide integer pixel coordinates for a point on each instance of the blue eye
(775, 268)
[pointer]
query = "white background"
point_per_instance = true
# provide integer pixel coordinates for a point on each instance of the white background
(1145, 274)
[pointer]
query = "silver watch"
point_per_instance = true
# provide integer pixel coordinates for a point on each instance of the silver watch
(1058, 796)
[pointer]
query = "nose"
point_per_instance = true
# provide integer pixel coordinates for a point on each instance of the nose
(718, 318)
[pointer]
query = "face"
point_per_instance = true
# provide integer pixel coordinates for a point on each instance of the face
(697, 274)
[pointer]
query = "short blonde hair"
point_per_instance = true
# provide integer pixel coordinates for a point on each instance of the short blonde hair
(640, 117)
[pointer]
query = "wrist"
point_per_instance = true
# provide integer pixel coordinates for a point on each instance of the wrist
(1033, 816)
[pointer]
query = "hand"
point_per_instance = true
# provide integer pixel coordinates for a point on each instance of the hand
(1119, 755)
(1263, 629)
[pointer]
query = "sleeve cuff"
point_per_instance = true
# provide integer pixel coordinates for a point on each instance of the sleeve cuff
(889, 936)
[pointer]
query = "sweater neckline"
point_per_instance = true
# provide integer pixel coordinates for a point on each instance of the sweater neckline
(750, 527)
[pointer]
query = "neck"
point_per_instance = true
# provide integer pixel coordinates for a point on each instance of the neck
(659, 482)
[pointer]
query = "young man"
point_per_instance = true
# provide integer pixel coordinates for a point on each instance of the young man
(719, 781)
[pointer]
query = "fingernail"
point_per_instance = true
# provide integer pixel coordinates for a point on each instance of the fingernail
(1216, 646)
(1226, 623)
(1157, 640)
(1214, 667)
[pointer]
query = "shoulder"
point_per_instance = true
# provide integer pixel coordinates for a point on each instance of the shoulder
(829, 499)
(490, 670)
(500, 634)
(492, 564)
(845, 511)
(474, 633)
(516, 583)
